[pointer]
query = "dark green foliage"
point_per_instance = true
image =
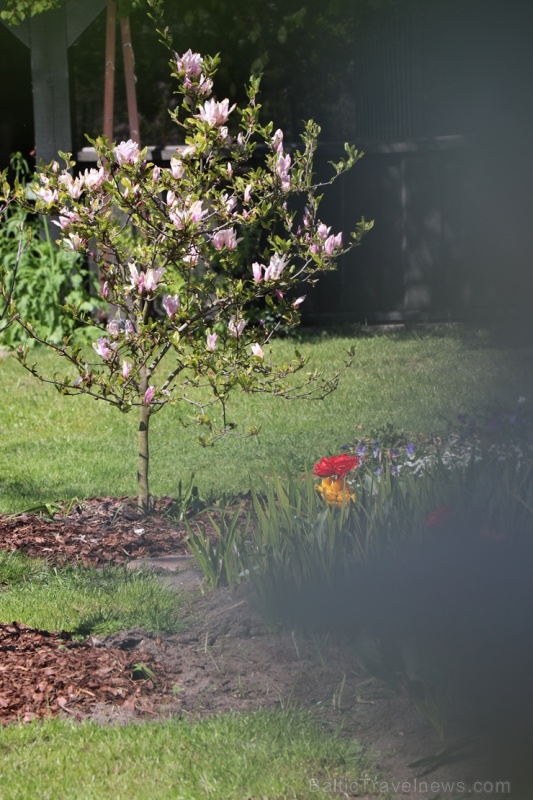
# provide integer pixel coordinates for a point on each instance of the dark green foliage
(48, 278)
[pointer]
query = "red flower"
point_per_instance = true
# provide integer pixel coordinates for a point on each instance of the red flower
(336, 466)
(440, 517)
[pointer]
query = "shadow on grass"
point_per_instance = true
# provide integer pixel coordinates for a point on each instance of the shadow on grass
(14, 491)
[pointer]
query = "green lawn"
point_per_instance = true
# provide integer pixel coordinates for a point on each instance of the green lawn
(260, 756)
(55, 447)
(85, 601)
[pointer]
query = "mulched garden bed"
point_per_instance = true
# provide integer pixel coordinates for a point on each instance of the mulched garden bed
(102, 530)
(43, 674)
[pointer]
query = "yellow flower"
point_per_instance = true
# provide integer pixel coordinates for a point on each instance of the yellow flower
(335, 491)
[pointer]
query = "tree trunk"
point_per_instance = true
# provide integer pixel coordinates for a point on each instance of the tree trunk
(143, 486)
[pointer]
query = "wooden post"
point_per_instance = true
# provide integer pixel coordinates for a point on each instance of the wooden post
(129, 74)
(109, 84)
(51, 92)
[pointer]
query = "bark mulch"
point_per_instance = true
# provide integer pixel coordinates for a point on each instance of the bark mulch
(43, 674)
(103, 530)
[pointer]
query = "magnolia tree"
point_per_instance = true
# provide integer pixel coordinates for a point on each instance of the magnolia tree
(172, 247)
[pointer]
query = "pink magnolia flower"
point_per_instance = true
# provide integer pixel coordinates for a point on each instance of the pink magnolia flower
(94, 178)
(176, 167)
(126, 369)
(228, 201)
(153, 276)
(275, 268)
(127, 153)
(257, 351)
(171, 304)
(323, 231)
(46, 194)
(190, 63)
(64, 222)
(299, 301)
(215, 113)
(105, 290)
(196, 211)
(188, 215)
(113, 328)
(73, 242)
(277, 141)
(332, 243)
(257, 271)
(102, 349)
(193, 256)
(134, 275)
(74, 186)
(149, 395)
(283, 163)
(229, 169)
(247, 193)
(236, 326)
(66, 218)
(156, 174)
(204, 85)
(225, 239)
(211, 341)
